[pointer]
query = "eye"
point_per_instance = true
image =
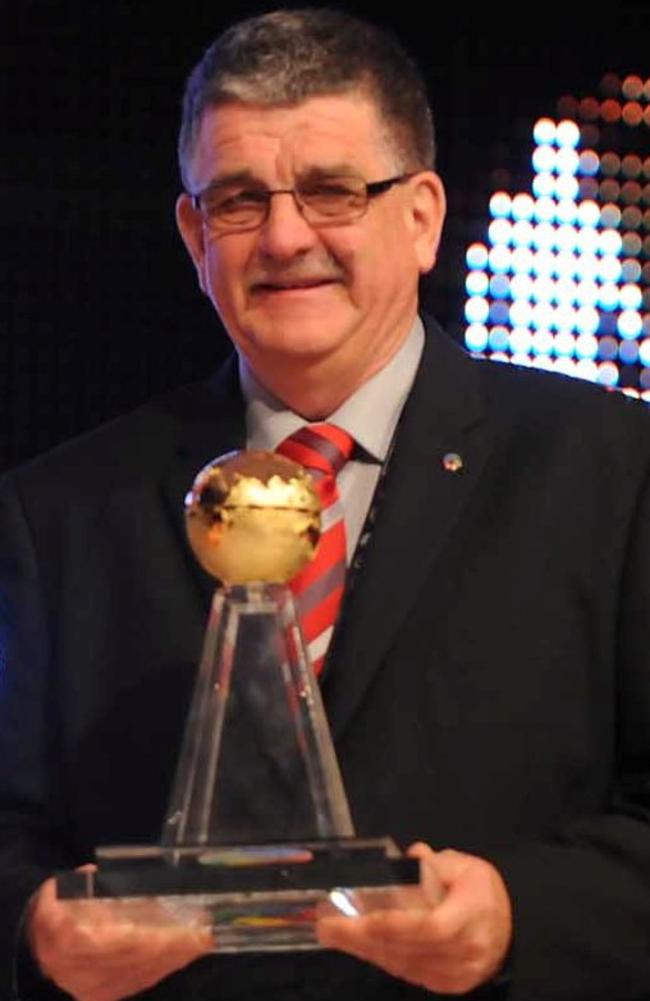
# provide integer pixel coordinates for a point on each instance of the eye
(229, 200)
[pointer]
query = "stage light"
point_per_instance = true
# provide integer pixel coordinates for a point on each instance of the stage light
(476, 337)
(586, 369)
(543, 290)
(522, 260)
(587, 292)
(566, 160)
(542, 342)
(544, 263)
(544, 184)
(521, 313)
(631, 166)
(610, 164)
(476, 256)
(587, 346)
(632, 113)
(544, 209)
(632, 87)
(500, 231)
(610, 111)
(608, 296)
(588, 213)
(567, 237)
(499, 338)
(543, 316)
(630, 270)
(609, 268)
(587, 320)
(564, 344)
(499, 312)
(628, 352)
(566, 211)
(629, 324)
(521, 286)
(499, 287)
(565, 318)
(608, 348)
(644, 354)
(544, 235)
(608, 373)
(477, 283)
(566, 188)
(544, 131)
(544, 159)
(566, 264)
(522, 233)
(477, 309)
(500, 259)
(610, 242)
(588, 162)
(521, 340)
(587, 240)
(500, 205)
(522, 207)
(565, 366)
(567, 134)
(610, 216)
(631, 297)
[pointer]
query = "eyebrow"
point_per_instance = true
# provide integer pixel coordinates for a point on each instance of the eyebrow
(315, 172)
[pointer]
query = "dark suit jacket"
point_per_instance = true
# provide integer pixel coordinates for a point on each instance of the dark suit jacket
(488, 688)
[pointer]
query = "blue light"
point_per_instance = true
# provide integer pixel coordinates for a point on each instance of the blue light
(543, 184)
(587, 347)
(630, 324)
(544, 130)
(499, 287)
(631, 297)
(628, 352)
(476, 337)
(567, 133)
(608, 348)
(499, 312)
(608, 373)
(498, 339)
(476, 256)
(500, 204)
(522, 207)
(476, 310)
(476, 283)
(500, 231)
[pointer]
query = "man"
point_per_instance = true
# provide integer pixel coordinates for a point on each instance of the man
(487, 684)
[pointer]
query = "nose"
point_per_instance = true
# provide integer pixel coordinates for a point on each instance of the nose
(285, 233)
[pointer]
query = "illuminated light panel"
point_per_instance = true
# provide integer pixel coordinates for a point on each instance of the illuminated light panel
(567, 263)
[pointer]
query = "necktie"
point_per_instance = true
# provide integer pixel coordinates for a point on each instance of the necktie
(318, 588)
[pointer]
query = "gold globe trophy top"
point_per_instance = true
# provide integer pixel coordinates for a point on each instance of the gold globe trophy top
(253, 517)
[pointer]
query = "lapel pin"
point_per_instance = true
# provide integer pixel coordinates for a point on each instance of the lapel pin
(452, 462)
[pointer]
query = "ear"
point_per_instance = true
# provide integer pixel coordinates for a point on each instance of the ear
(428, 208)
(190, 226)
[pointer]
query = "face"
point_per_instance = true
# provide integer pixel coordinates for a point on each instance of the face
(342, 297)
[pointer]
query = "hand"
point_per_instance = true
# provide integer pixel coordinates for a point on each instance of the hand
(96, 953)
(450, 947)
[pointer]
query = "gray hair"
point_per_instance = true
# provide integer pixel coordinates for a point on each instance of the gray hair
(288, 56)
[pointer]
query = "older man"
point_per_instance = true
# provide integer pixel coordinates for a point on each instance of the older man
(488, 679)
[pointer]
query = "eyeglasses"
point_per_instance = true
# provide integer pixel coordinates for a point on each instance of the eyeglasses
(324, 201)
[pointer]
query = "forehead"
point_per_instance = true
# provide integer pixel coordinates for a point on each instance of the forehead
(277, 142)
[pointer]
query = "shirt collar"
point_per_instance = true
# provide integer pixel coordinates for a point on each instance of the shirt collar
(370, 415)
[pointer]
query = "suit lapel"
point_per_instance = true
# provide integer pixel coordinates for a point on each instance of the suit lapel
(211, 421)
(423, 497)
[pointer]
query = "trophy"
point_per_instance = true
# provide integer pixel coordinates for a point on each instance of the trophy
(257, 840)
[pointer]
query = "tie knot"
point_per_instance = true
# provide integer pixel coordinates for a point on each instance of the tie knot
(322, 447)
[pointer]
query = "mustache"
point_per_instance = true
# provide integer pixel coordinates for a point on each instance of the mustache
(303, 272)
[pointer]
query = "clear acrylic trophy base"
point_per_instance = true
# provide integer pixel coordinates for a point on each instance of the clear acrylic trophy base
(258, 840)
(249, 897)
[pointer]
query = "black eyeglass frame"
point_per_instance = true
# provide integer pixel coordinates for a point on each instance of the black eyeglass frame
(371, 190)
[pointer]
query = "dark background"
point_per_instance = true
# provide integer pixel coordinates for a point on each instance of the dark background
(98, 306)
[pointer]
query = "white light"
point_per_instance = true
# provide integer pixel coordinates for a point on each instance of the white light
(543, 289)
(522, 207)
(567, 160)
(543, 184)
(567, 187)
(543, 315)
(567, 133)
(544, 130)
(566, 291)
(588, 240)
(566, 237)
(587, 369)
(644, 352)
(500, 259)
(566, 264)
(629, 324)
(608, 296)
(521, 287)
(522, 260)
(544, 263)
(610, 242)
(501, 356)
(544, 235)
(565, 318)
(587, 292)
(476, 337)
(567, 210)
(521, 313)
(587, 346)
(476, 256)
(500, 231)
(608, 373)
(542, 342)
(609, 268)
(521, 340)
(588, 213)
(587, 320)
(564, 343)
(522, 233)
(520, 359)
(341, 900)
(544, 159)
(566, 366)
(477, 283)
(477, 309)
(587, 267)
(544, 210)
(631, 297)
(543, 361)
(500, 204)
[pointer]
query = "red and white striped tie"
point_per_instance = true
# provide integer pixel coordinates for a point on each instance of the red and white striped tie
(318, 588)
